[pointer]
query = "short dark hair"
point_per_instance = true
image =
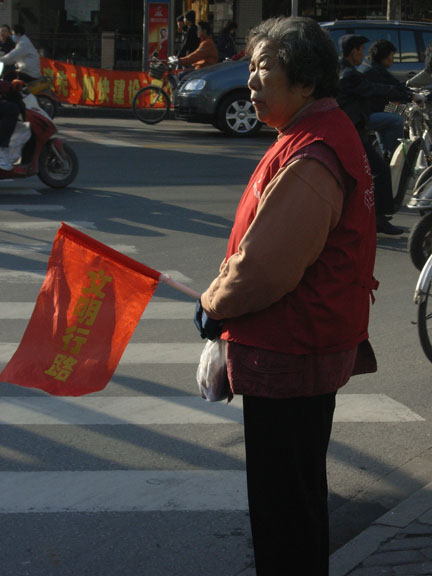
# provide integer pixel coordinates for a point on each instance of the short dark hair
(348, 42)
(204, 26)
(190, 16)
(6, 26)
(18, 29)
(304, 49)
(231, 25)
(379, 50)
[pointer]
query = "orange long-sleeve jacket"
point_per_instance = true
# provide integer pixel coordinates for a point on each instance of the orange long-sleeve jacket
(205, 55)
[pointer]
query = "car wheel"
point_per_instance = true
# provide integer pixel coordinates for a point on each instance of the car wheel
(236, 116)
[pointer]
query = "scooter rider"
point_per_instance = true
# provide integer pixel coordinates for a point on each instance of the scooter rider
(388, 126)
(9, 112)
(355, 92)
(24, 56)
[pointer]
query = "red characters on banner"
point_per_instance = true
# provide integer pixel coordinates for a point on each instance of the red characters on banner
(93, 86)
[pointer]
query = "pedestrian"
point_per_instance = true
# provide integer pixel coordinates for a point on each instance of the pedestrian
(226, 43)
(190, 40)
(180, 32)
(355, 96)
(292, 295)
(6, 42)
(6, 45)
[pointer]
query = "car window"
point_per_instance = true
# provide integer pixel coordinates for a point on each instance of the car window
(375, 34)
(427, 39)
(408, 46)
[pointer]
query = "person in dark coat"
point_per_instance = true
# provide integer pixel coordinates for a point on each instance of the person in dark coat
(6, 42)
(226, 45)
(6, 45)
(190, 40)
(388, 126)
(355, 94)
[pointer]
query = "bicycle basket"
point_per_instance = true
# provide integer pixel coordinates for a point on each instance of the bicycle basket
(157, 70)
(395, 108)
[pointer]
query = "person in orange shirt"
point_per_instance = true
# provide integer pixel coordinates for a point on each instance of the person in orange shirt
(205, 55)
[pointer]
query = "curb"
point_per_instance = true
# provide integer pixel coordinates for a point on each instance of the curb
(344, 560)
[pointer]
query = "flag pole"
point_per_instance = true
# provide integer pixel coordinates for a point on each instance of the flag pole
(165, 279)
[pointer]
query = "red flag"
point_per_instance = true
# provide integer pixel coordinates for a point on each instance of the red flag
(89, 305)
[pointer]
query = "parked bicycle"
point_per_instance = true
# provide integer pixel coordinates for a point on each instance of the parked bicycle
(423, 298)
(152, 103)
(414, 153)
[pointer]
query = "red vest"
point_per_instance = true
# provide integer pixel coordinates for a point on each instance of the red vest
(329, 309)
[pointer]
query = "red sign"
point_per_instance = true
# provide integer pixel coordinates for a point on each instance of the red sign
(158, 22)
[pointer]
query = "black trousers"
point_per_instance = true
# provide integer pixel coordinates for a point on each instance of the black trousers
(9, 112)
(286, 446)
(381, 175)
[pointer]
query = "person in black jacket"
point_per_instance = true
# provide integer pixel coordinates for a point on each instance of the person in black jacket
(6, 42)
(190, 41)
(388, 126)
(355, 93)
(226, 45)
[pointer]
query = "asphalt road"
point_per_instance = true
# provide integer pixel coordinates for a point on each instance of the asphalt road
(145, 477)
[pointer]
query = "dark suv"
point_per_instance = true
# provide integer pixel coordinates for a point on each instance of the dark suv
(219, 94)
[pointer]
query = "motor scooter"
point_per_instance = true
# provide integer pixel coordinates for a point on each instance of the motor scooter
(42, 153)
(45, 95)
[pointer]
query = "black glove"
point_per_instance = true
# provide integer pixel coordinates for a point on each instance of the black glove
(207, 327)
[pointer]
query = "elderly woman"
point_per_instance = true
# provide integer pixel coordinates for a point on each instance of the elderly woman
(293, 291)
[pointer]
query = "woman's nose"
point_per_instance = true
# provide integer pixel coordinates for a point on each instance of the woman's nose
(252, 81)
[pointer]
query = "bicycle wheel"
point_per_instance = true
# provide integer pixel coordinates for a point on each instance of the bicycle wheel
(414, 163)
(151, 105)
(420, 241)
(424, 322)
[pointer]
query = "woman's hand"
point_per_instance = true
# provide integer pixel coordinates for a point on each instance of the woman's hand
(207, 327)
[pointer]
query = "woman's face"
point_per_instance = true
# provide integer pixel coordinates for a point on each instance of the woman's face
(388, 60)
(274, 100)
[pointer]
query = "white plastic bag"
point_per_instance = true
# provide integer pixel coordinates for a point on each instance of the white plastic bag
(212, 376)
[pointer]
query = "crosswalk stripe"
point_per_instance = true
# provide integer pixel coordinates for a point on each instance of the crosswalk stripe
(102, 410)
(45, 225)
(154, 310)
(37, 276)
(22, 276)
(174, 410)
(138, 353)
(32, 207)
(122, 491)
(10, 190)
(45, 248)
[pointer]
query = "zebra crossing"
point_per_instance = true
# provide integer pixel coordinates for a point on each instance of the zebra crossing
(150, 485)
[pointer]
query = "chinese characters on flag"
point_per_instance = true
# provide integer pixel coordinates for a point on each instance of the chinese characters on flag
(86, 311)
